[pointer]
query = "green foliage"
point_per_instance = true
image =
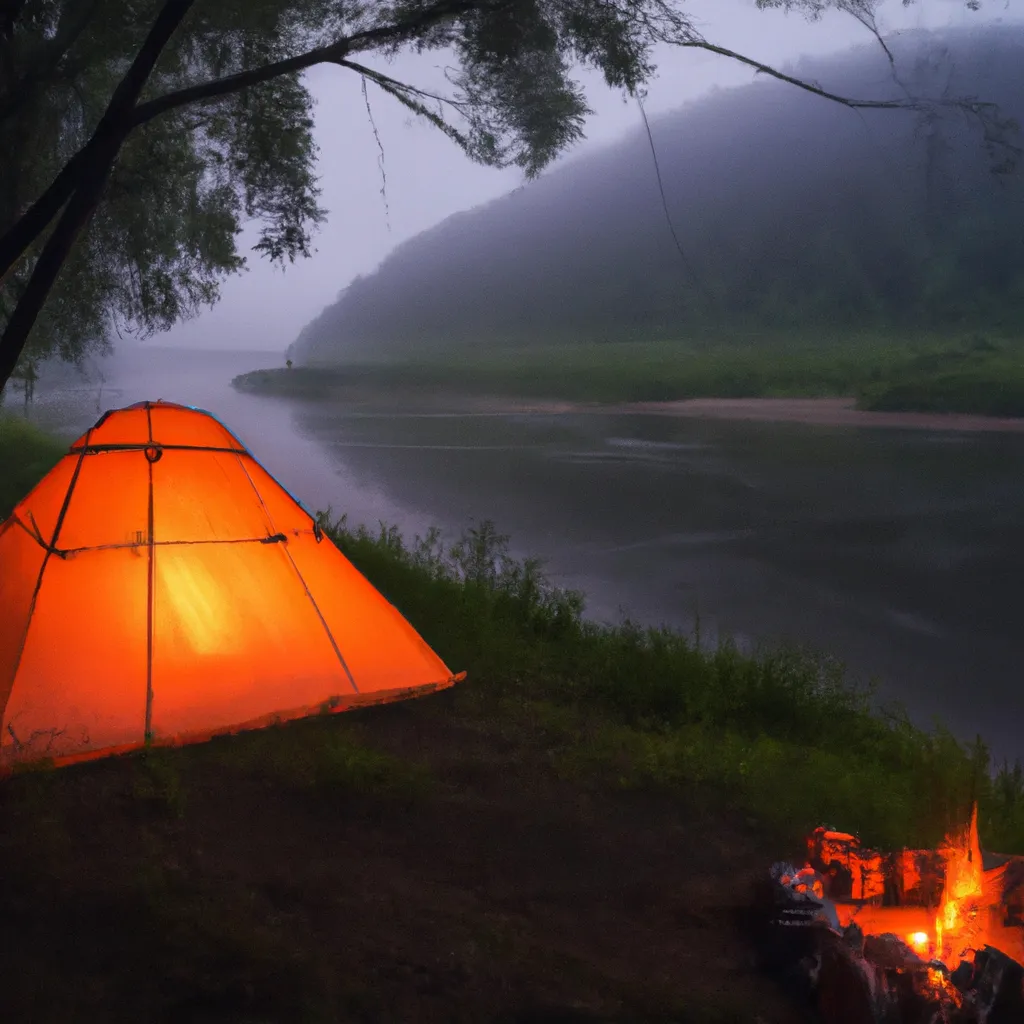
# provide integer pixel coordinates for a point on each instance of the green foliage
(165, 235)
(26, 455)
(977, 376)
(882, 369)
(781, 732)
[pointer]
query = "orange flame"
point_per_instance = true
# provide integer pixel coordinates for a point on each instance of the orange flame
(970, 913)
(963, 916)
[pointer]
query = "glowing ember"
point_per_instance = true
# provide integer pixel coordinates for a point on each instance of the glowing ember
(938, 937)
(944, 905)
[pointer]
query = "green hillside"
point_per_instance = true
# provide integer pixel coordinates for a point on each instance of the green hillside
(798, 218)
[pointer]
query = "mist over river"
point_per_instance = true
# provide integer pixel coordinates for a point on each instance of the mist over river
(900, 551)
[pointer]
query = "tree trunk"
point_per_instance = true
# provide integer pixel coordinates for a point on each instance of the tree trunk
(98, 160)
(58, 246)
(34, 221)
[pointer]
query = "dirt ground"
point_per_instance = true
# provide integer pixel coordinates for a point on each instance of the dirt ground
(500, 891)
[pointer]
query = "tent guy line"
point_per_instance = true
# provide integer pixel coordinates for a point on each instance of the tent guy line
(98, 449)
(147, 541)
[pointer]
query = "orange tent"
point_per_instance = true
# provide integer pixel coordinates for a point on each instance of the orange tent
(159, 586)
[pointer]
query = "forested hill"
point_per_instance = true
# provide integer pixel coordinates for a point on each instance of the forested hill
(791, 211)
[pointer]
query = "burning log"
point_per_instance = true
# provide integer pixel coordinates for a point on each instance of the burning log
(910, 937)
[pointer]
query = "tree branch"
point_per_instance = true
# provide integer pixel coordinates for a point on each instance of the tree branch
(333, 53)
(218, 87)
(34, 222)
(767, 69)
(379, 78)
(98, 159)
(996, 128)
(380, 158)
(37, 218)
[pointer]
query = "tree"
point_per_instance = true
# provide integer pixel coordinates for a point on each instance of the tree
(137, 136)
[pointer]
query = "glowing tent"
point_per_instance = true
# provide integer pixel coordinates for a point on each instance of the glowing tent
(159, 586)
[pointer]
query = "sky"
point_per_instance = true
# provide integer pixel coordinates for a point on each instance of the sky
(428, 178)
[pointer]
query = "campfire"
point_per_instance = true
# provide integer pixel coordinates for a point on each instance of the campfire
(910, 937)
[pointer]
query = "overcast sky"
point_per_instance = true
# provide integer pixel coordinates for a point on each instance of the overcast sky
(428, 178)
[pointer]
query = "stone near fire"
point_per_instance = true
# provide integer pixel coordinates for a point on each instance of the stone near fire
(888, 927)
(998, 987)
(843, 991)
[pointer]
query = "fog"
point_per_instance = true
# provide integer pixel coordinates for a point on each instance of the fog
(794, 213)
(428, 178)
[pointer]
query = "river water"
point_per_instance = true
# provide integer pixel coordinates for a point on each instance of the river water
(900, 551)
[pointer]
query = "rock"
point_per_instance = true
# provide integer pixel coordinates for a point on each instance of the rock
(843, 990)
(963, 975)
(998, 987)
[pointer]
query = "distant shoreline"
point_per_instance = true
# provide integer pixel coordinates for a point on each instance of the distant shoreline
(827, 411)
(830, 412)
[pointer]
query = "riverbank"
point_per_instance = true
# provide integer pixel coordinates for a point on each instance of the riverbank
(827, 411)
(972, 375)
(580, 825)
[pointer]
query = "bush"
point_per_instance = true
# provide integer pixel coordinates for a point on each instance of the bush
(781, 731)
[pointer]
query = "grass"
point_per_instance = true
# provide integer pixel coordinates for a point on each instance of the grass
(26, 454)
(781, 733)
(923, 372)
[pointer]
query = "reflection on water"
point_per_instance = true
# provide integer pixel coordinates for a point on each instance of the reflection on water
(900, 551)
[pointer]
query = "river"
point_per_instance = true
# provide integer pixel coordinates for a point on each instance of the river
(900, 551)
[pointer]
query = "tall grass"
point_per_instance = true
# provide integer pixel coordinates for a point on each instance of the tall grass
(782, 732)
(26, 454)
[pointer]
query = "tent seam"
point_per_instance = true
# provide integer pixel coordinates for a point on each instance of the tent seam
(148, 726)
(39, 579)
(288, 554)
(97, 449)
(323, 621)
(65, 552)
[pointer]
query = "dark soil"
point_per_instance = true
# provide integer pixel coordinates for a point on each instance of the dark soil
(481, 887)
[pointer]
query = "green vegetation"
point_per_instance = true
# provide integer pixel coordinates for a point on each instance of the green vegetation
(932, 373)
(781, 733)
(978, 376)
(26, 454)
